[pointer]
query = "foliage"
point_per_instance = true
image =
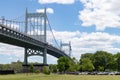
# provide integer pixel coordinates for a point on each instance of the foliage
(101, 58)
(31, 68)
(16, 66)
(86, 64)
(100, 68)
(74, 66)
(112, 65)
(117, 57)
(98, 61)
(87, 55)
(37, 71)
(63, 64)
(53, 68)
(46, 70)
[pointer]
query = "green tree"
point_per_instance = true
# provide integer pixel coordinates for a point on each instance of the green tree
(31, 68)
(101, 58)
(63, 64)
(100, 68)
(46, 70)
(74, 66)
(87, 55)
(37, 71)
(53, 68)
(16, 66)
(86, 64)
(112, 65)
(118, 63)
(117, 58)
(1, 67)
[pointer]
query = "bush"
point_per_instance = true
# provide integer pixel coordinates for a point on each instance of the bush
(31, 68)
(53, 68)
(46, 70)
(37, 71)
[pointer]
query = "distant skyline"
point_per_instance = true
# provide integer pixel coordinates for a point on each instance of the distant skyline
(90, 25)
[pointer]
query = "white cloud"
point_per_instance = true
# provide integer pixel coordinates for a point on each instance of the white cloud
(101, 13)
(56, 1)
(12, 51)
(89, 42)
(48, 10)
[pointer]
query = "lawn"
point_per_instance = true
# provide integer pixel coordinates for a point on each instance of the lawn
(58, 77)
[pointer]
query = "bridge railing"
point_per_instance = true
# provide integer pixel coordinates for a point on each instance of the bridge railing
(18, 27)
(14, 25)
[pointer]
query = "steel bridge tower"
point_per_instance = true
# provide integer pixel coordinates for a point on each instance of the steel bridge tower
(68, 45)
(35, 27)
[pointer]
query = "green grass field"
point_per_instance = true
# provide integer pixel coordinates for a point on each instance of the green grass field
(58, 77)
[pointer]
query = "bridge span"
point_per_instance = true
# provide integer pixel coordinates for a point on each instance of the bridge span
(32, 45)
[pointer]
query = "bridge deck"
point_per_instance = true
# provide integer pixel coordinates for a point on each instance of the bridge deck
(16, 38)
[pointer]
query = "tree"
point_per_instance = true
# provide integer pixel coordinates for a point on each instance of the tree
(37, 71)
(74, 66)
(1, 66)
(53, 68)
(16, 66)
(46, 70)
(87, 55)
(101, 58)
(112, 65)
(100, 68)
(86, 64)
(31, 68)
(117, 58)
(63, 64)
(118, 63)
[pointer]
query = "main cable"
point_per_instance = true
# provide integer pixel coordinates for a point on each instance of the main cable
(52, 32)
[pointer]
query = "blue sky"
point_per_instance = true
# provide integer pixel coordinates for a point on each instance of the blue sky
(90, 25)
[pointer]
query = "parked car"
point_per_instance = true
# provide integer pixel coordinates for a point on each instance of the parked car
(84, 73)
(117, 73)
(111, 73)
(103, 73)
(92, 73)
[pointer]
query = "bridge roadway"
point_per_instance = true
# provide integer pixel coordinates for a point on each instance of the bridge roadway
(14, 37)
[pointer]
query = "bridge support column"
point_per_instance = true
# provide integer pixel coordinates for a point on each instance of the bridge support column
(25, 57)
(45, 56)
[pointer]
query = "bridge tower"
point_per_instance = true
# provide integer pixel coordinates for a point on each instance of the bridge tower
(35, 27)
(67, 46)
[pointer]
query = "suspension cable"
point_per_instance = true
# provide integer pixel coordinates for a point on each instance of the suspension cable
(52, 32)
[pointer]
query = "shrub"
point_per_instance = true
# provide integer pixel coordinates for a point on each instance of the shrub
(37, 71)
(46, 70)
(31, 68)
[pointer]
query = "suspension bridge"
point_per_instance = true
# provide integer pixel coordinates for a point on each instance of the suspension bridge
(31, 34)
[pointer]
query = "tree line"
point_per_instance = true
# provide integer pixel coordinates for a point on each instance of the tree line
(16, 66)
(98, 61)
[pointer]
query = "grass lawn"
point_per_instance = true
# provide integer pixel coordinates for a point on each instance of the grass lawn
(58, 77)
